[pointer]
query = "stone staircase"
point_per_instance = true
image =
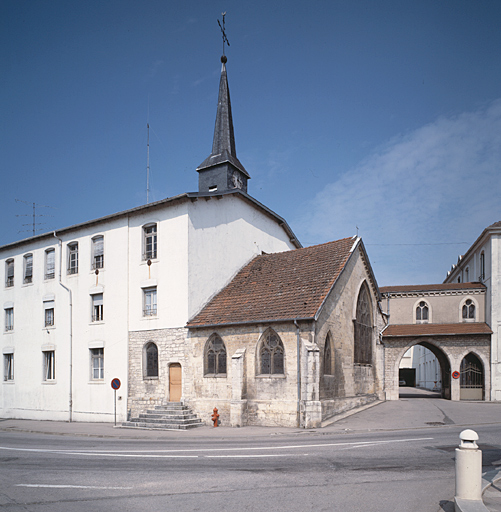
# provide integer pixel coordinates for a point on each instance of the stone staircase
(173, 416)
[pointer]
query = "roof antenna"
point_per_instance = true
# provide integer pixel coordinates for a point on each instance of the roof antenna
(225, 39)
(34, 224)
(148, 164)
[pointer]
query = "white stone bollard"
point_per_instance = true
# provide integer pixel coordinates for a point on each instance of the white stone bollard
(468, 467)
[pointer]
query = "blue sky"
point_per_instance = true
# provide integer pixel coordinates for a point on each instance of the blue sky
(382, 115)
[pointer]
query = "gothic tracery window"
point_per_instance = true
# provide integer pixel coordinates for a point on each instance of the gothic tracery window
(363, 328)
(422, 312)
(468, 310)
(271, 354)
(215, 356)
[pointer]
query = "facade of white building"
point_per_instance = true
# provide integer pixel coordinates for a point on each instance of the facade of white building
(73, 299)
(482, 262)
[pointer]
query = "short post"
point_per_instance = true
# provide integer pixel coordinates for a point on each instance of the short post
(468, 467)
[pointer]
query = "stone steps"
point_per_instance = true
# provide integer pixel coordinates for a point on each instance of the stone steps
(173, 416)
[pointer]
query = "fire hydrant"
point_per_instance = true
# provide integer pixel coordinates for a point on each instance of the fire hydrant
(215, 416)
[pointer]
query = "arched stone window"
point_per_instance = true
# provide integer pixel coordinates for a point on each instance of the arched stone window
(469, 311)
(422, 312)
(328, 359)
(215, 356)
(150, 360)
(363, 328)
(271, 354)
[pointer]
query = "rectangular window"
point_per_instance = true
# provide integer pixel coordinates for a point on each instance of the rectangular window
(150, 301)
(49, 317)
(9, 273)
(150, 242)
(98, 252)
(50, 264)
(8, 367)
(9, 319)
(97, 363)
(28, 268)
(73, 258)
(97, 307)
(49, 365)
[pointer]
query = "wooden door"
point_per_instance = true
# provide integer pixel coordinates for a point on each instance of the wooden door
(175, 382)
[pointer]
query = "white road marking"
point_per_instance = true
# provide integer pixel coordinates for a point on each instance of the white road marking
(56, 486)
(176, 453)
(247, 456)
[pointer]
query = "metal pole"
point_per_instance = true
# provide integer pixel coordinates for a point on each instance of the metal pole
(115, 407)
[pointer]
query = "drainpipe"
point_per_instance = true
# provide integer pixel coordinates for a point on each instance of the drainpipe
(71, 327)
(298, 412)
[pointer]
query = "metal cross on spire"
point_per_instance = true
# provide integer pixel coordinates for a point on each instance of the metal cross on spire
(225, 39)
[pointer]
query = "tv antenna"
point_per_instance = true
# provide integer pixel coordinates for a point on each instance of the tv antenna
(148, 164)
(34, 215)
(225, 39)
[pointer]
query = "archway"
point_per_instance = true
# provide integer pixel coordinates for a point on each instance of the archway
(472, 378)
(435, 382)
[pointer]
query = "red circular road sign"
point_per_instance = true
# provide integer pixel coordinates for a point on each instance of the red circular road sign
(455, 375)
(115, 384)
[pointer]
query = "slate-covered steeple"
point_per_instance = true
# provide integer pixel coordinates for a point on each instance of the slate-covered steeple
(221, 171)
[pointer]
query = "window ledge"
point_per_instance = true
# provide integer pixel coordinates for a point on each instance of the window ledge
(271, 376)
(24, 285)
(48, 328)
(49, 382)
(11, 382)
(150, 378)
(215, 376)
(99, 322)
(11, 331)
(97, 381)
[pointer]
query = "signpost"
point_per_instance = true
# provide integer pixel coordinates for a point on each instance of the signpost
(115, 384)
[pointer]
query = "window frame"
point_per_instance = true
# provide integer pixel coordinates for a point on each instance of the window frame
(72, 257)
(97, 311)
(151, 309)
(49, 318)
(151, 253)
(363, 328)
(215, 350)
(9, 319)
(150, 355)
(328, 356)
(266, 349)
(48, 274)
(9, 274)
(28, 268)
(96, 356)
(97, 252)
(8, 367)
(49, 365)
(424, 309)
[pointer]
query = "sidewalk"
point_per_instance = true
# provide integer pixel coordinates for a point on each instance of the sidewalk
(381, 416)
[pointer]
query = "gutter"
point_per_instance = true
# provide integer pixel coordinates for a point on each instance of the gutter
(298, 410)
(70, 404)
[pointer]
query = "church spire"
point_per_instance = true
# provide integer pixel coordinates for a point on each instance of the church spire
(221, 171)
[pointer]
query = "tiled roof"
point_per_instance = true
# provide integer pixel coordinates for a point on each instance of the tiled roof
(430, 287)
(279, 286)
(436, 329)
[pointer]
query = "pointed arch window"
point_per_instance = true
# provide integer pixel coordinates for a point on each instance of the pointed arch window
(363, 327)
(150, 360)
(215, 356)
(422, 312)
(328, 353)
(482, 267)
(469, 311)
(271, 354)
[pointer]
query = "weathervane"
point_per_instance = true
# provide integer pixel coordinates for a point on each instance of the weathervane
(225, 39)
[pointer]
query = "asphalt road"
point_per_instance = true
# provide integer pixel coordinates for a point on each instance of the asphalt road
(333, 469)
